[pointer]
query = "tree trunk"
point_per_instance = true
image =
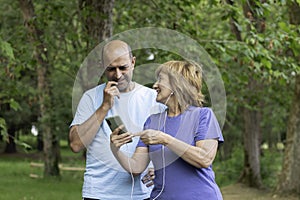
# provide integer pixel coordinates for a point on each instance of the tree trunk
(98, 21)
(40, 143)
(252, 137)
(10, 144)
(251, 172)
(252, 116)
(98, 26)
(289, 181)
(51, 148)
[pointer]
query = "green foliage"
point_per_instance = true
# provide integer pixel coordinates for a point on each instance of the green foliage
(3, 129)
(264, 56)
(271, 162)
(6, 49)
(19, 96)
(17, 86)
(228, 171)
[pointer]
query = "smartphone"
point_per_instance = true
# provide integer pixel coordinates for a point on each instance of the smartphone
(114, 122)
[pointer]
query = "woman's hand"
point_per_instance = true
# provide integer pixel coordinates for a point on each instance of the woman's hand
(151, 136)
(139, 160)
(119, 139)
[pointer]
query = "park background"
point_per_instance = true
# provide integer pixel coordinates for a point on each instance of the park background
(254, 43)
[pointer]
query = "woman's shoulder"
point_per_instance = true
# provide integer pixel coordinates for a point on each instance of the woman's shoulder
(202, 113)
(202, 110)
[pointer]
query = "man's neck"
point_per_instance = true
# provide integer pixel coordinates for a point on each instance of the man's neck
(130, 88)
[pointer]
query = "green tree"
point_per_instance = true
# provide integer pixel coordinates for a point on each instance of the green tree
(17, 97)
(252, 104)
(289, 180)
(43, 68)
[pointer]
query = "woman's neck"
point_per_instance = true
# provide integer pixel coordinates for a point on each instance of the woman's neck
(173, 111)
(176, 110)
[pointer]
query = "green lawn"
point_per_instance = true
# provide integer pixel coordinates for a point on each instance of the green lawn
(16, 184)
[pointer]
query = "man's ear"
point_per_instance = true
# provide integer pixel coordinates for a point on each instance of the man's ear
(133, 61)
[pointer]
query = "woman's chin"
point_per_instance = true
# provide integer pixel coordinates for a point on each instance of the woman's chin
(159, 100)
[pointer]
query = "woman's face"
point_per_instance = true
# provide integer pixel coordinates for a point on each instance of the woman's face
(163, 88)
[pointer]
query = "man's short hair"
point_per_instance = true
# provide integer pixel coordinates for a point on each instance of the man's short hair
(102, 52)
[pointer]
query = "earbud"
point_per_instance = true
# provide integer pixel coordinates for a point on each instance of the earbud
(172, 93)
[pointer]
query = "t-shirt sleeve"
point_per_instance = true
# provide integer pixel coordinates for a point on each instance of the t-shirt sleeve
(146, 126)
(208, 127)
(84, 110)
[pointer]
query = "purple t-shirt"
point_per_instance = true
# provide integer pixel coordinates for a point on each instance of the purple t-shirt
(179, 179)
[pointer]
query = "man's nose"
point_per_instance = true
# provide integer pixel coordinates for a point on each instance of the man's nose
(118, 73)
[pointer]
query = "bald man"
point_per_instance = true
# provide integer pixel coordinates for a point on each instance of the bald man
(104, 178)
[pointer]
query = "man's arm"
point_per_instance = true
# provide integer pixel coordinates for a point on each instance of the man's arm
(80, 136)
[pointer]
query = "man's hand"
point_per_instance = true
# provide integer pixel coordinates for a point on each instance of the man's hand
(109, 92)
(149, 177)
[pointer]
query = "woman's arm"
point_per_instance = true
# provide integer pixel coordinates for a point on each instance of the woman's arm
(201, 155)
(135, 164)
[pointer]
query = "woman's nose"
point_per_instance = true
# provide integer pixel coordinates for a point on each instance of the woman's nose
(155, 85)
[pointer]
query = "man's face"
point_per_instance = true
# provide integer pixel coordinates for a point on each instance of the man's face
(120, 70)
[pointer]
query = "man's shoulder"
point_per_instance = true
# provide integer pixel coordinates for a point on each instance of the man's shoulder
(95, 90)
(146, 90)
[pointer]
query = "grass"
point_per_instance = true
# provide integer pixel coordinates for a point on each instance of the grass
(15, 182)
(18, 185)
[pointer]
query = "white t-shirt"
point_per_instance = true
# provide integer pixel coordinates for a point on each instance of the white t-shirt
(104, 177)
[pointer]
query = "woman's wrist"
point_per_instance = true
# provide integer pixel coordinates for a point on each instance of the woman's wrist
(167, 139)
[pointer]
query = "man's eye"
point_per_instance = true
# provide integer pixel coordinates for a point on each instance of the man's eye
(110, 69)
(123, 68)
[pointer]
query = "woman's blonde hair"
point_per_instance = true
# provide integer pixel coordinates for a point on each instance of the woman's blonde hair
(186, 81)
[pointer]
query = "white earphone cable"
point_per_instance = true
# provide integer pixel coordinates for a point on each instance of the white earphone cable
(163, 155)
(131, 174)
(164, 174)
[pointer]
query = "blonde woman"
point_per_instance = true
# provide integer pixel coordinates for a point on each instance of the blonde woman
(181, 142)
